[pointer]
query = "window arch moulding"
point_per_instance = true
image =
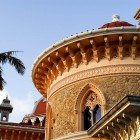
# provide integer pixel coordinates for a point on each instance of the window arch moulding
(89, 96)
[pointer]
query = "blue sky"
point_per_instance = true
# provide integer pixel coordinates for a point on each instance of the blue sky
(33, 25)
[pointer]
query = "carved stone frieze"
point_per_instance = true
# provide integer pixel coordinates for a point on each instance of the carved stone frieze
(95, 72)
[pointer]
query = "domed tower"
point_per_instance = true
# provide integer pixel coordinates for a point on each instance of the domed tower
(38, 116)
(5, 109)
(85, 75)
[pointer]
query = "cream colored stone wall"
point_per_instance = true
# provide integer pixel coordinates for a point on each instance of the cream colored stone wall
(65, 120)
(64, 117)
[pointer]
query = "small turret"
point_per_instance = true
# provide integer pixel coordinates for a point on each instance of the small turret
(5, 109)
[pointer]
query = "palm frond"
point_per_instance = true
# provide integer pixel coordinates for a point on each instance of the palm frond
(5, 56)
(2, 81)
(17, 63)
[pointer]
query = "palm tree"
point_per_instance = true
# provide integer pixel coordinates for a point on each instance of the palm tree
(17, 63)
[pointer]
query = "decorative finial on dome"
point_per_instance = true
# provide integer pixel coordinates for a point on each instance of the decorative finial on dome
(6, 96)
(115, 18)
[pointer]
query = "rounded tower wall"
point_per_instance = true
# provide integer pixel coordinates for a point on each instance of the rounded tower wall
(95, 67)
(63, 102)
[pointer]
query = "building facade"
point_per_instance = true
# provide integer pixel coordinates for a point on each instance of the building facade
(84, 76)
(38, 116)
(31, 127)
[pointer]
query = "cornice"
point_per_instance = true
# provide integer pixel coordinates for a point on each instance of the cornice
(70, 52)
(84, 35)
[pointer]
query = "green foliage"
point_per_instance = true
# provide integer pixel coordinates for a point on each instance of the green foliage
(13, 61)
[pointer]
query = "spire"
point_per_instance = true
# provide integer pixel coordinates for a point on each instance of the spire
(115, 17)
(6, 97)
(5, 109)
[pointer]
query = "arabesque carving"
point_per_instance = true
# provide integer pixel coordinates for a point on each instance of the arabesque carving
(101, 71)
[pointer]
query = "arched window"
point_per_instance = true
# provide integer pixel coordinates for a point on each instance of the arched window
(92, 112)
(90, 106)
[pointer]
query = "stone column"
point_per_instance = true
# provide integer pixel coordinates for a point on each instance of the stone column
(25, 135)
(33, 120)
(5, 134)
(38, 137)
(19, 135)
(32, 136)
(12, 135)
(91, 112)
(41, 120)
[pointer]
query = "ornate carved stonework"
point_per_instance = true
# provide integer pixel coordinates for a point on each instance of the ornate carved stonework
(101, 71)
(83, 49)
(63, 101)
(105, 62)
(92, 100)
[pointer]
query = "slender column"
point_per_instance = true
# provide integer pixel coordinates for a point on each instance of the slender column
(38, 137)
(91, 112)
(41, 120)
(5, 134)
(33, 120)
(12, 135)
(25, 136)
(19, 135)
(32, 136)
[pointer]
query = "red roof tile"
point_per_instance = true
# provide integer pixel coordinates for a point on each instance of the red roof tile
(40, 108)
(116, 24)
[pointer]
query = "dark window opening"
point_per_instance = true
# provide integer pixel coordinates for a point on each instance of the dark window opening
(91, 117)
(87, 118)
(29, 122)
(96, 113)
(37, 122)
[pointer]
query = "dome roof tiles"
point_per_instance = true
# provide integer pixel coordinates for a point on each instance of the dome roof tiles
(116, 24)
(40, 107)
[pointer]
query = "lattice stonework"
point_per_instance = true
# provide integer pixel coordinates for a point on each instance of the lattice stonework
(92, 100)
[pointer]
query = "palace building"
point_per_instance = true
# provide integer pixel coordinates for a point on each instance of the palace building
(31, 127)
(91, 81)
(90, 86)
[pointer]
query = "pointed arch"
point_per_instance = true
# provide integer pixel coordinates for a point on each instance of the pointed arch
(89, 91)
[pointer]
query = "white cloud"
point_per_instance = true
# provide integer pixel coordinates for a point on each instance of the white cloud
(21, 106)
